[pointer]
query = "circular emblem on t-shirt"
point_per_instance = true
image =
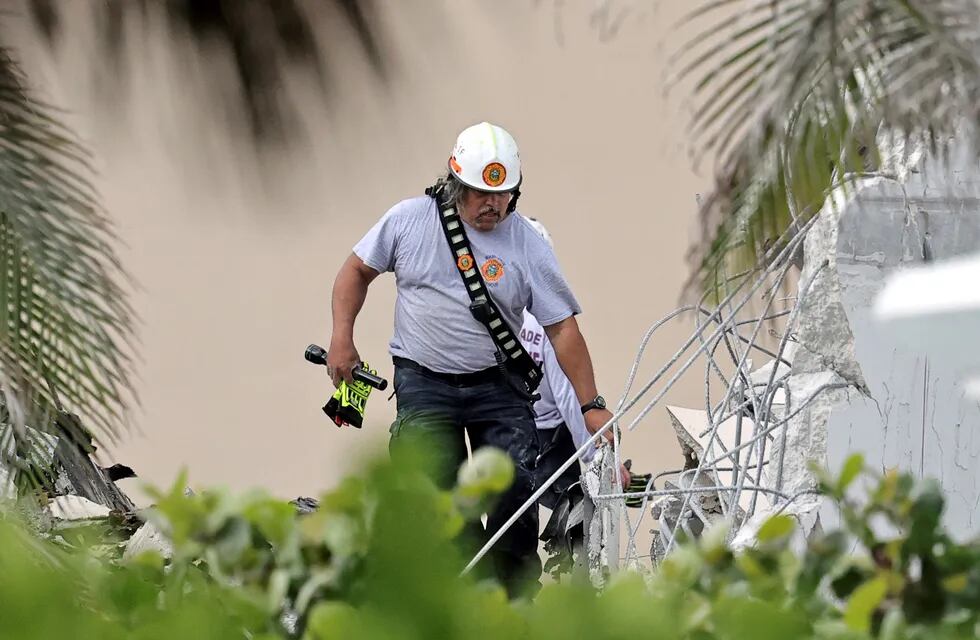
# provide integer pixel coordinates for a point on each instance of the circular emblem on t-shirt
(494, 174)
(465, 262)
(492, 270)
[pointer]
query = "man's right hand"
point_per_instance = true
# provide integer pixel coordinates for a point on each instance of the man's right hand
(342, 358)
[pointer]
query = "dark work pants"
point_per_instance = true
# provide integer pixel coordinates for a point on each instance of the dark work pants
(555, 446)
(433, 413)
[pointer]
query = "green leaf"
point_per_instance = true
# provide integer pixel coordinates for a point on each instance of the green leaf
(489, 470)
(714, 544)
(738, 618)
(863, 603)
(823, 552)
(924, 517)
(481, 480)
(233, 540)
(851, 469)
(893, 626)
(330, 620)
(849, 580)
(274, 518)
(956, 583)
(776, 528)
(344, 535)
(683, 565)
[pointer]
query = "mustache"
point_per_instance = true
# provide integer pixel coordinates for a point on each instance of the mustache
(488, 210)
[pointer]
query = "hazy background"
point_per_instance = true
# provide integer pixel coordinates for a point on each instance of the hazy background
(235, 256)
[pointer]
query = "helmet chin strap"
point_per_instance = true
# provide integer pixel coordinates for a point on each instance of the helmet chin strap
(515, 195)
(513, 200)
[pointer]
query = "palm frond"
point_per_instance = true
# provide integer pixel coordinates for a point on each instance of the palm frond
(792, 96)
(265, 39)
(66, 328)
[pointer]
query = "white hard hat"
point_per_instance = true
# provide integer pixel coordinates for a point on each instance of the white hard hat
(485, 158)
(534, 222)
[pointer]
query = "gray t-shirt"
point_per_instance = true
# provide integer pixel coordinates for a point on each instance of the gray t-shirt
(433, 325)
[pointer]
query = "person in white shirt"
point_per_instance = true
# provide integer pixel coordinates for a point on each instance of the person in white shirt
(558, 416)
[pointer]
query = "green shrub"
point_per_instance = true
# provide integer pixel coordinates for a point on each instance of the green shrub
(380, 559)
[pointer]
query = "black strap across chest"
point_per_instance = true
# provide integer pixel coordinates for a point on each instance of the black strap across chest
(482, 306)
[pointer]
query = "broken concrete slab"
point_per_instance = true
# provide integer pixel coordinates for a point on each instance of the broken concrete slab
(42, 447)
(905, 409)
(811, 399)
(807, 516)
(80, 475)
(688, 424)
(603, 517)
(850, 387)
(76, 508)
(825, 341)
(760, 380)
(305, 505)
(148, 538)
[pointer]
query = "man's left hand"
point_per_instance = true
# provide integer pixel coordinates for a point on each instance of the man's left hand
(595, 419)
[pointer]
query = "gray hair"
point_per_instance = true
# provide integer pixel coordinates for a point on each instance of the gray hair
(453, 189)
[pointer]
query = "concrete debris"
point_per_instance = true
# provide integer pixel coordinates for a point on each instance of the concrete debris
(761, 376)
(148, 538)
(688, 426)
(76, 508)
(912, 412)
(61, 463)
(82, 476)
(305, 505)
(807, 516)
(602, 517)
(804, 438)
(825, 340)
(841, 384)
(60, 460)
(41, 447)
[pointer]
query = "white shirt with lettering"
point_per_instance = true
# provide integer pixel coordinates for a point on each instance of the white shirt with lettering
(558, 403)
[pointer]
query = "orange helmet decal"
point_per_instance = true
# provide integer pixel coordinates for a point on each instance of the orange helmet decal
(494, 174)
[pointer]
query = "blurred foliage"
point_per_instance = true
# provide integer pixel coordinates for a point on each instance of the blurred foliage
(66, 326)
(378, 560)
(265, 41)
(794, 99)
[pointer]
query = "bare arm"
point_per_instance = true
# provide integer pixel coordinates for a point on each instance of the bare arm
(349, 292)
(573, 356)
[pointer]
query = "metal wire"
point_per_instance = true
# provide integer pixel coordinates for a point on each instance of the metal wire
(761, 422)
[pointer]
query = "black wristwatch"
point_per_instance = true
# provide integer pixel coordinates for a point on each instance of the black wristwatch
(597, 403)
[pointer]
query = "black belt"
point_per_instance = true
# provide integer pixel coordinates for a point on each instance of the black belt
(456, 379)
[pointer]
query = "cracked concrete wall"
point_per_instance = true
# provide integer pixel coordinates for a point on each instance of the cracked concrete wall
(901, 409)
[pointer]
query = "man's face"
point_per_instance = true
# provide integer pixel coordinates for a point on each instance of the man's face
(483, 210)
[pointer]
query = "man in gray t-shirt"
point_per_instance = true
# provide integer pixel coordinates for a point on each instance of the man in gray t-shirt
(446, 374)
